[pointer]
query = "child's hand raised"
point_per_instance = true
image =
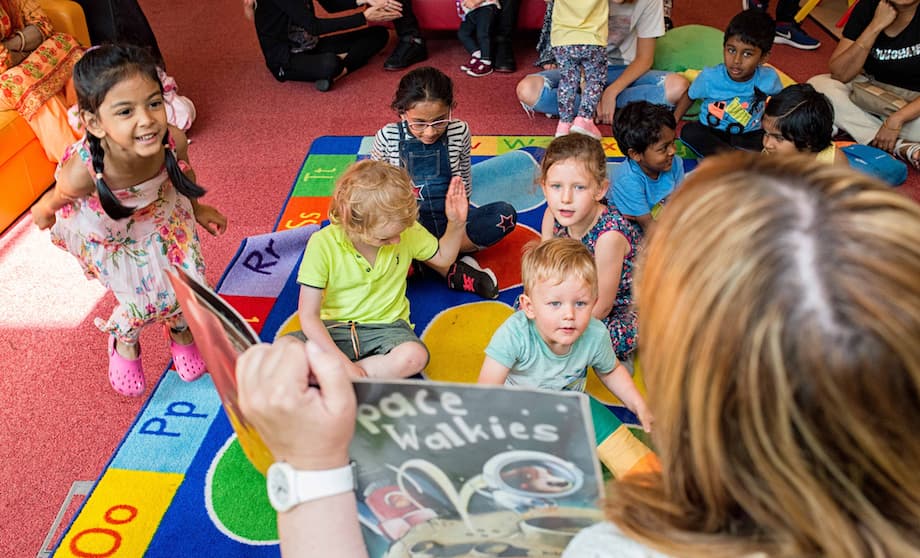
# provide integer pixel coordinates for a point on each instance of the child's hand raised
(210, 218)
(456, 206)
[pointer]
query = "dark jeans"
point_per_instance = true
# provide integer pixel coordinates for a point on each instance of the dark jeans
(706, 141)
(407, 24)
(475, 31)
(323, 61)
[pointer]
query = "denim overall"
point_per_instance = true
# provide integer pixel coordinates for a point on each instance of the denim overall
(429, 168)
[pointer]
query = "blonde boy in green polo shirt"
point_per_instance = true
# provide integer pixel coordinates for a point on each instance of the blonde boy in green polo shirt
(353, 274)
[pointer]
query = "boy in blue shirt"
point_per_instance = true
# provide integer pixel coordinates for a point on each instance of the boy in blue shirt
(550, 342)
(645, 133)
(734, 93)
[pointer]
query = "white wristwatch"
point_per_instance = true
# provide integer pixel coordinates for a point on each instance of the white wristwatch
(288, 487)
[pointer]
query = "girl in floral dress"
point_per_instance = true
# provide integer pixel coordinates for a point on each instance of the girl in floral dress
(574, 181)
(125, 205)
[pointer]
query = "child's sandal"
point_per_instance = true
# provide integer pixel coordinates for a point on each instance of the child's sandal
(186, 359)
(125, 375)
(908, 151)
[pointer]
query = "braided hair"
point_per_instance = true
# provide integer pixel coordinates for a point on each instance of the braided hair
(99, 70)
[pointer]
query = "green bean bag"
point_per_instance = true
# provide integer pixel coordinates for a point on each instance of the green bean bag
(688, 47)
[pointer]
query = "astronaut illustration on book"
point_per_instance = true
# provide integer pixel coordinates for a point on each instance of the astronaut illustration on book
(512, 508)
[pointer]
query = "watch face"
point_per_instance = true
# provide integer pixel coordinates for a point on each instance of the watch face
(279, 487)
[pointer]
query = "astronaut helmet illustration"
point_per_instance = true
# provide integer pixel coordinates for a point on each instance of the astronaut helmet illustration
(520, 479)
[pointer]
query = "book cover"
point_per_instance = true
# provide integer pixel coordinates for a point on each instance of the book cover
(443, 469)
(465, 470)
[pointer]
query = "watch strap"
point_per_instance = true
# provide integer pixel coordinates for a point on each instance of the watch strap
(313, 485)
(306, 486)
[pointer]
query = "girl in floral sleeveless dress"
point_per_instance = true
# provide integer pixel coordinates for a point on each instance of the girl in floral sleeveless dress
(124, 207)
(574, 181)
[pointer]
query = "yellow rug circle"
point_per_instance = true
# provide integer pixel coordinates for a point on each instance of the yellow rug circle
(457, 339)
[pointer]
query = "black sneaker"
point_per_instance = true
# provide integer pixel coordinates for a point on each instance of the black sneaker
(504, 58)
(408, 51)
(466, 275)
(323, 84)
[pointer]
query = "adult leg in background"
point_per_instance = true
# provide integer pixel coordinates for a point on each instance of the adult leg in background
(504, 29)
(325, 63)
(847, 116)
(410, 48)
(539, 92)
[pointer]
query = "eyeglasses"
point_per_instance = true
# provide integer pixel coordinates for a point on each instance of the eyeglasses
(422, 126)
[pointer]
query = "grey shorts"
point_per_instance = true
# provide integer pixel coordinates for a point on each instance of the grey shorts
(359, 341)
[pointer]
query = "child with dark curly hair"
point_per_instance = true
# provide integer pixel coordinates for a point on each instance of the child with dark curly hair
(645, 133)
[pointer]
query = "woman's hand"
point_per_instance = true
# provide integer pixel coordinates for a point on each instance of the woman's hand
(388, 11)
(607, 106)
(884, 15)
(392, 4)
(456, 206)
(885, 138)
(309, 427)
(210, 218)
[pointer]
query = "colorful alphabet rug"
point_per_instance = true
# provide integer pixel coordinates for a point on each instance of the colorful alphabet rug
(179, 484)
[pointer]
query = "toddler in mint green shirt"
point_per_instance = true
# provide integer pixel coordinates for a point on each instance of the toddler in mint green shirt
(550, 342)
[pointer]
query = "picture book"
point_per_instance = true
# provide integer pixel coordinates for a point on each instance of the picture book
(443, 469)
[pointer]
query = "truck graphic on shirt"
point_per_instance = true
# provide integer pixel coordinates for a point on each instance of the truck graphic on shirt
(736, 115)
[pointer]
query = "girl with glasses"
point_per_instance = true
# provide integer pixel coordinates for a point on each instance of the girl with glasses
(433, 148)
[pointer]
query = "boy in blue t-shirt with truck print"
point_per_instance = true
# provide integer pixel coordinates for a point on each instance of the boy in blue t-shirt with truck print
(735, 92)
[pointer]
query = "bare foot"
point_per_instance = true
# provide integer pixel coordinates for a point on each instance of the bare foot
(130, 352)
(182, 337)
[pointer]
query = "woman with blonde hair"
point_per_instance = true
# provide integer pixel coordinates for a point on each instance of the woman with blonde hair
(779, 305)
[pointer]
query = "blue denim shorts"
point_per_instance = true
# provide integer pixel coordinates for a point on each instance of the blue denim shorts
(649, 87)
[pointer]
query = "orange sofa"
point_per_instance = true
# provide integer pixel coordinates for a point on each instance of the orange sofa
(25, 171)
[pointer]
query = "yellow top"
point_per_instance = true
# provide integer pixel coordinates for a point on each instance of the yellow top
(579, 22)
(355, 290)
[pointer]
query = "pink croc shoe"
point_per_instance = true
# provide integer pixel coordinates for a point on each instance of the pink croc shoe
(125, 375)
(187, 360)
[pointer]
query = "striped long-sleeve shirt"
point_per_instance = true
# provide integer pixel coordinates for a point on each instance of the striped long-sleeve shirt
(459, 144)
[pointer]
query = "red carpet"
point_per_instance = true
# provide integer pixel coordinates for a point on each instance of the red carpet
(61, 420)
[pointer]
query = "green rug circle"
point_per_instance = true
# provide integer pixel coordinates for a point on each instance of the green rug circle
(238, 498)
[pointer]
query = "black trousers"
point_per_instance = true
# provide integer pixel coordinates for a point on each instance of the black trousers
(506, 20)
(706, 141)
(406, 26)
(119, 21)
(323, 61)
(786, 10)
(475, 31)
